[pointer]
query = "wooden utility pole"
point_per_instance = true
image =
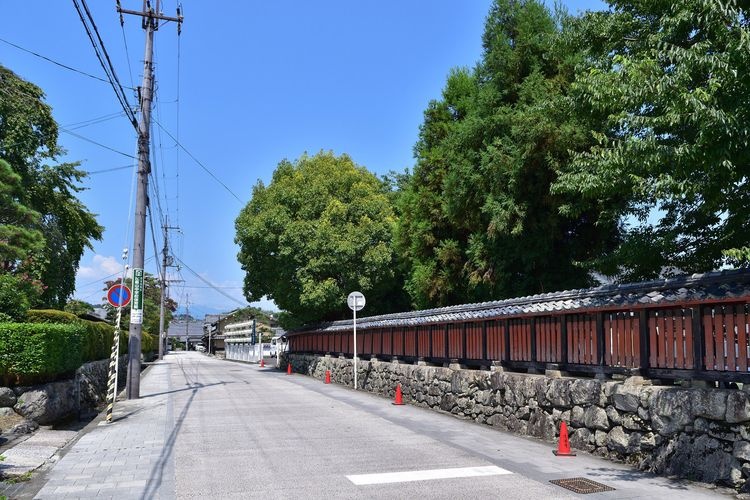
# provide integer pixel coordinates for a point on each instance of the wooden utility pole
(151, 18)
(166, 262)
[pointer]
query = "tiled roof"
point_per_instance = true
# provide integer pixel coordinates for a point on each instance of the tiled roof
(720, 285)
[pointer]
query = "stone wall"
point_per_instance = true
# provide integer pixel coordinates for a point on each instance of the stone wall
(697, 433)
(24, 409)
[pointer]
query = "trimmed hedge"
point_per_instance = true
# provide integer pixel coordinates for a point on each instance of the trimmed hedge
(53, 344)
(33, 353)
(51, 316)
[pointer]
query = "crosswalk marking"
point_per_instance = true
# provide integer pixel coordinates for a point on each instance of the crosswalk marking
(425, 475)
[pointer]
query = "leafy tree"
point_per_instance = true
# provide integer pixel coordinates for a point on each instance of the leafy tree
(78, 307)
(151, 305)
(28, 139)
(19, 234)
(478, 219)
(321, 229)
(671, 81)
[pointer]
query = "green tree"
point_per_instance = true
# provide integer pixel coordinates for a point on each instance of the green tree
(478, 218)
(19, 234)
(78, 307)
(321, 229)
(671, 81)
(28, 139)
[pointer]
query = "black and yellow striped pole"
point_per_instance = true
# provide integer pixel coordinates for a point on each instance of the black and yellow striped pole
(114, 356)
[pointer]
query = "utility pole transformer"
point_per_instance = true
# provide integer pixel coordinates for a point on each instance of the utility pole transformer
(151, 18)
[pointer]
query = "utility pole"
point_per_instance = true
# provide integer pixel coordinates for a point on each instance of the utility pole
(187, 323)
(151, 18)
(166, 261)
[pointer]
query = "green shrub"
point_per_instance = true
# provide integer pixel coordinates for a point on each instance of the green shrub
(148, 343)
(98, 340)
(13, 300)
(51, 316)
(32, 353)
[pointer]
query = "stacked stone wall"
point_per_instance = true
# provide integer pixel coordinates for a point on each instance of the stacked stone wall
(24, 409)
(697, 433)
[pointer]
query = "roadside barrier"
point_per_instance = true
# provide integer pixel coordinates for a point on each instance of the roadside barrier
(563, 447)
(399, 399)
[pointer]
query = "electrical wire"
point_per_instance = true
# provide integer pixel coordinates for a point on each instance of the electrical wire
(208, 171)
(101, 54)
(56, 62)
(94, 121)
(94, 142)
(211, 285)
(93, 172)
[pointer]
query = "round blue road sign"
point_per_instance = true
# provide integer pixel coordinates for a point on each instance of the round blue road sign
(119, 295)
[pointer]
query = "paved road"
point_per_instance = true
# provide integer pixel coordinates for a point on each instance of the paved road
(206, 428)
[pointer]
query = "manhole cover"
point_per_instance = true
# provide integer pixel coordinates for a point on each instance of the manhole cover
(581, 485)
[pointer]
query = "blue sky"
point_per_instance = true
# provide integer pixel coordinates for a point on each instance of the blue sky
(246, 85)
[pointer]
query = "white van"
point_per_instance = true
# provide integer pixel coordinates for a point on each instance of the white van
(278, 345)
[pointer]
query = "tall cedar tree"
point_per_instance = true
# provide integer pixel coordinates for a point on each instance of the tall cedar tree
(478, 221)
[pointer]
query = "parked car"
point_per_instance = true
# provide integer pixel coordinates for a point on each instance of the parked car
(278, 344)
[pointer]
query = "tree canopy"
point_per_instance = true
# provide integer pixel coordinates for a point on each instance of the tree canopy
(321, 229)
(43, 195)
(670, 81)
(478, 219)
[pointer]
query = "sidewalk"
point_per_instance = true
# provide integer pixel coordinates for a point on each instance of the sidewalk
(130, 458)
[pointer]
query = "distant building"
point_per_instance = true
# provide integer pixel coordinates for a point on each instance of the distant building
(180, 329)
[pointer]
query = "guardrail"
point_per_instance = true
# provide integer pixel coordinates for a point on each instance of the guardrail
(705, 336)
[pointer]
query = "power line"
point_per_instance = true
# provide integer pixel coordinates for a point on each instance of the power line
(94, 142)
(211, 285)
(94, 121)
(101, 54)
(57, 63)
(198, 162)
(92, 172)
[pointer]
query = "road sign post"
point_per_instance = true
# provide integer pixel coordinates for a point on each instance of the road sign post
(355, 301)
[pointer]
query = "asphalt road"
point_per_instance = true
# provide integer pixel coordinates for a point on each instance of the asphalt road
(241, 431)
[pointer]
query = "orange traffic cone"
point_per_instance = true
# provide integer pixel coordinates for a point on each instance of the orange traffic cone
(288, 368)
(262, 363)
(399, 399)
(328, 376)
(563, 448)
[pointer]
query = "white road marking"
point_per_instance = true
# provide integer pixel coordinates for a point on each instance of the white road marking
(425, 475)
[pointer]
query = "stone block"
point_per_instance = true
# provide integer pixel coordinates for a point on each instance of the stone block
(738, 407)
(741, 450)
(710, 403)
(596, 418)
(585, 392)
(7, 397)
(626, 397)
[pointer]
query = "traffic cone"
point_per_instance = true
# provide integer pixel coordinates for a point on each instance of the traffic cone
(288, 368)
(563, 448)
(328, 376)
(399, 399)
(262, 363)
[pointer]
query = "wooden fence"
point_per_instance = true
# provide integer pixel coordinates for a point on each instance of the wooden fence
(689, 341)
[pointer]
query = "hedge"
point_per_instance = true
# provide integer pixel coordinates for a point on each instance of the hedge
(32, 353)
(53, 344)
